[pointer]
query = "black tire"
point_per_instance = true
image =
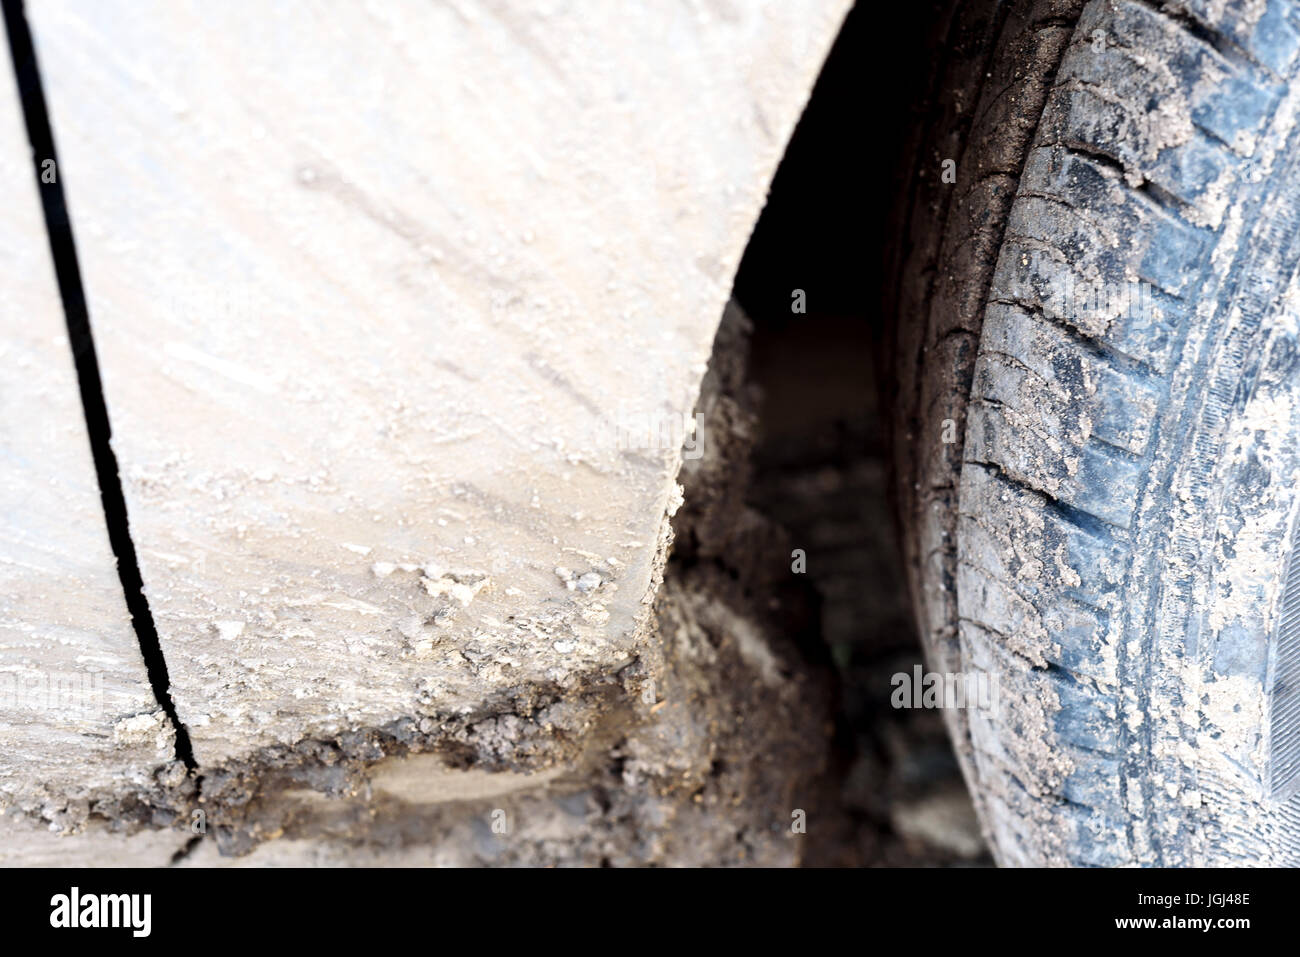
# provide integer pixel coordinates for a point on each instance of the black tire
(1107, 534)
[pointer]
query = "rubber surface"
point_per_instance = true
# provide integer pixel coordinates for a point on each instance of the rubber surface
(1104, 306)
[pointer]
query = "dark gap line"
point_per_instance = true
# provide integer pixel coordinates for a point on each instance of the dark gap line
(184, 852)
(63, 250)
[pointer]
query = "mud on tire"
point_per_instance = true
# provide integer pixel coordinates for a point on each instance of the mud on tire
(1102, 312)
